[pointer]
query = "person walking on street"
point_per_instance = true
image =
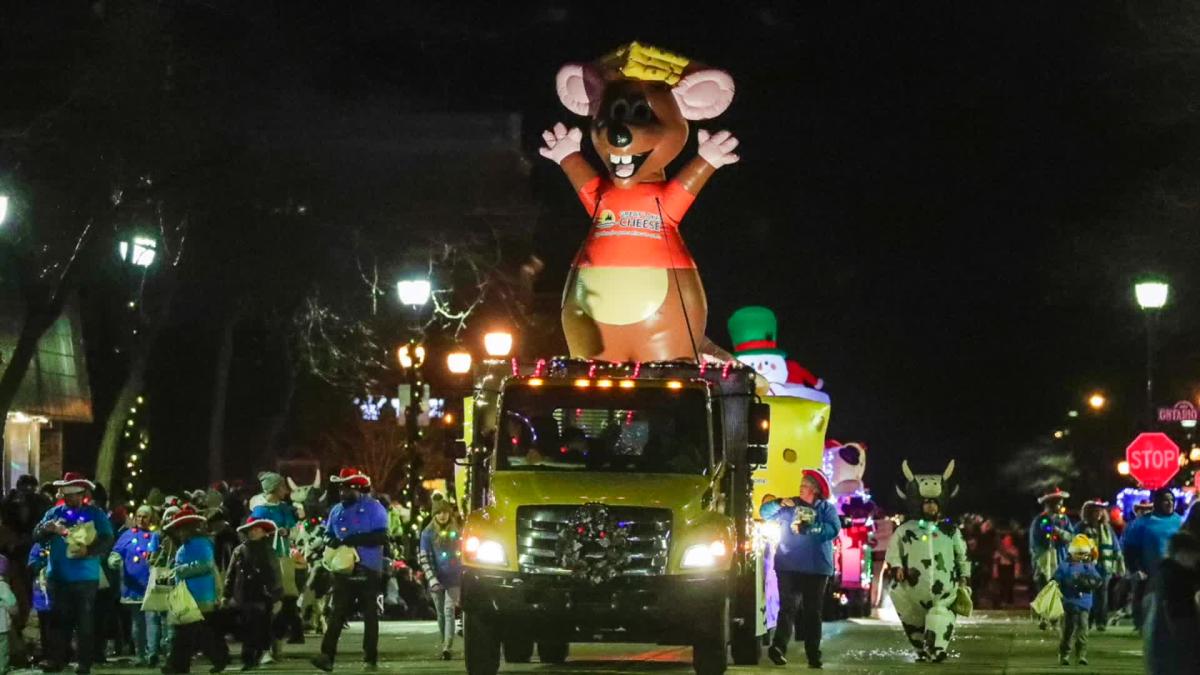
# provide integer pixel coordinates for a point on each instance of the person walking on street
(1145, 547)
(196, 567)
(8, 610)
(1093, 522)
(358, 521)
(131, 555)
(252, 588)
(1171, 640)
(1007, 559)
(78, 535)
(441, 560)
(1077, 579)
(275, 507)
(1049, 534)
(803, 563)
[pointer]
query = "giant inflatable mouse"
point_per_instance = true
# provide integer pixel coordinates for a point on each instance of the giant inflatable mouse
(634, 293)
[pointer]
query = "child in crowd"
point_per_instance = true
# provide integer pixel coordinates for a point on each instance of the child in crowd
(8, 609)
(253, 588)
(195, 566)
(1077, 578)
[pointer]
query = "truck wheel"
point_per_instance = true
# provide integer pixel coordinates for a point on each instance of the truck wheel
(745, 646)
(482, 644)
(553, 652)
(518, 651)
(709, 658)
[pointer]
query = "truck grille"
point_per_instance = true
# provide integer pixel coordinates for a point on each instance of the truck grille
(537, 536)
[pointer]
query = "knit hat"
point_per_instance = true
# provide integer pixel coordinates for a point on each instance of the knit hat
(185, 514)
(819, 478)
(257, 522)
(1081, 543)
(146, 510)
(269, 480)
(352, 476)
(73, 482)
(1056, 493)
(442, 506)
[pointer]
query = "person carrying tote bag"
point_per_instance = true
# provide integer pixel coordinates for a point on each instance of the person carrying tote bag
(195, 593)
(274, 506)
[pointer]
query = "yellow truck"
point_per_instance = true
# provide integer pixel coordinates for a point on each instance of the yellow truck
(613, 502)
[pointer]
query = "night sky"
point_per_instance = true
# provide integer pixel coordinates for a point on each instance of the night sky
(946, 206)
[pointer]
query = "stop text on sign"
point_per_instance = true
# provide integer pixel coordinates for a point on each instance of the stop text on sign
(1153, 459)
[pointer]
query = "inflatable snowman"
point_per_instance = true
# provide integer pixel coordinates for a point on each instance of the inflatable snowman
(753, 330)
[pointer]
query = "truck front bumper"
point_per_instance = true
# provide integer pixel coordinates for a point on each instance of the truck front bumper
(668, 609)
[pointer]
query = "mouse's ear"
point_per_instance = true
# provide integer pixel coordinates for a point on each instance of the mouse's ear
(579, 86)
(704, 94)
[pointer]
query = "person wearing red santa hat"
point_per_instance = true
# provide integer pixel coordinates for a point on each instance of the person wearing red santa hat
(809, 523)
(358, 520)
(74, 571)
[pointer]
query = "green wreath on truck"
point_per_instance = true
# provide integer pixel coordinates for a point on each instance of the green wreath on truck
(593, 545)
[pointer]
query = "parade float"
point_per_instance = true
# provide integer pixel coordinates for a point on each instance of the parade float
(610, 491)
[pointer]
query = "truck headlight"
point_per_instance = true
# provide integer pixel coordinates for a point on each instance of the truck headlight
(703, 555)
(485, 551)
(770, 531)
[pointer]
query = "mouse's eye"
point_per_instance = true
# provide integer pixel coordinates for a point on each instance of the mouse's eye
(619, 110)
(640, 112)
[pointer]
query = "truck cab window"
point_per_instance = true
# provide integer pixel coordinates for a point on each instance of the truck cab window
(565, 429)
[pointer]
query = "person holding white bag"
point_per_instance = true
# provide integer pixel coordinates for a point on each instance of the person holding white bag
(195, 574)
(131, 555)
(358, 526)
(78, 535)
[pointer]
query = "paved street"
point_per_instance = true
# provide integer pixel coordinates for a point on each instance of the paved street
(988, 643)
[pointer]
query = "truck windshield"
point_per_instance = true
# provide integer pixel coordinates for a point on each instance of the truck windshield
(648, 430)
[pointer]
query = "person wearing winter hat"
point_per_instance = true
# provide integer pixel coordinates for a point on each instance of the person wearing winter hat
(360, 521)
(1077, 579)
(274, 505)
(1093, 522)
(441, 560)
(131, 554)
(73, 570)
(803, 562)
(252, 588)
(194, 566)
(1145, 546)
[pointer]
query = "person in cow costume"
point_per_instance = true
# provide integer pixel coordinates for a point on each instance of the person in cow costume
(927, 557)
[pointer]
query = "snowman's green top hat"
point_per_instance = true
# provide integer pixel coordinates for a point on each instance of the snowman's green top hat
(753, 331)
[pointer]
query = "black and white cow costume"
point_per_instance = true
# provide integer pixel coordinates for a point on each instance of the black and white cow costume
(927, 557)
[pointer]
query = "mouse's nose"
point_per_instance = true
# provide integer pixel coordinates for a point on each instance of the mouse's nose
(619, 135)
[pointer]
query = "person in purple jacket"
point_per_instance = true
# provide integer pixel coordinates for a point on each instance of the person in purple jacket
(358, 520)
(803, 563)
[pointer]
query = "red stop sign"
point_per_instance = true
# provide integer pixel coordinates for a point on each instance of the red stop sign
(1153, 459)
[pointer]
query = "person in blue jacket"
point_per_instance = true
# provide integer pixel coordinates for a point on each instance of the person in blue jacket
(803, 563)
(357, 520)
(1078, 578)
(441, 560)
(195, 566)
(131, 554)
(40, 598)
(1145, 545)
(73, 572)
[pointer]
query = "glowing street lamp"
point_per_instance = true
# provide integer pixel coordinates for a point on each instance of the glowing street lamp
(139, 251)
(498, 343)
(414, 292)
(1097, 401)
(1151, 296)
(1123, 468)
(410, 355)
(459, 362)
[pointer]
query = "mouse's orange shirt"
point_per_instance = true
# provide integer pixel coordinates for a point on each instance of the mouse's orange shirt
(627, 230)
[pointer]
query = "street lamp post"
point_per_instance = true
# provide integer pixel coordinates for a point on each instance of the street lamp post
(415, 294)
(1151, 297)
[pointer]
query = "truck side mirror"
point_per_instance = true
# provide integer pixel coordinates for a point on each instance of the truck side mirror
(760, 424)
(756, 454)
(457, 450)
